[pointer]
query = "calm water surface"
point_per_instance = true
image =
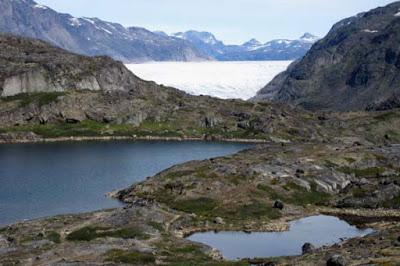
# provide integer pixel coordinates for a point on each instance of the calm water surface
(38, 180)
(318, 230)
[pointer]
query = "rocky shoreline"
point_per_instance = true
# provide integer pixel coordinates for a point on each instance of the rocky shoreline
(30, 137)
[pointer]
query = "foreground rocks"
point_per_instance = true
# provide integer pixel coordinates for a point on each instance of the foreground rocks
(236, 192)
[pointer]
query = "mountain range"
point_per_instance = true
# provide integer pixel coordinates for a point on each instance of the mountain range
(93, 36)
(355, 67)
(253, 50)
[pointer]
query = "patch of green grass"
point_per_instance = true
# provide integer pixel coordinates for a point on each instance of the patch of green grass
(292, 186)
(297, 195)
(176, 174)
(157, 226)
(393, 203)
(272, 194)
(254, 210)
(130, 257)
(53, 236)
(89, 233)
(359, 192)
(366, 172)
(303, 197)
(203, 172)
(42, 98)
(199, 206)
(350, 160)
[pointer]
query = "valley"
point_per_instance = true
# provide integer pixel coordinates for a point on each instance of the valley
(170, 164)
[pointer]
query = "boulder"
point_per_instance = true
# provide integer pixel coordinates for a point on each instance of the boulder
(336, 260)
(219, 220)
(307, 248)
(279, 205)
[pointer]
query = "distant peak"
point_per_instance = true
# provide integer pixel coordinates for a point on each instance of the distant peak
(252, 42)
(308, 37)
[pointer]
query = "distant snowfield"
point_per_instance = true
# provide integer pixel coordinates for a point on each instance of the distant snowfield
(219, 79)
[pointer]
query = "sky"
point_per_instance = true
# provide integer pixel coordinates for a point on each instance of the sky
(232, 21)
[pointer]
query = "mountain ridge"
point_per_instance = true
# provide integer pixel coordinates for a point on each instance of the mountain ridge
(92, 36)
(355, 67)
(252, 50)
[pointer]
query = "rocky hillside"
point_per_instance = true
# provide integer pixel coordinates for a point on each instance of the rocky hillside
(50, 92)
(92, 36)
(29, 65)
(355, 67)
(253, 50)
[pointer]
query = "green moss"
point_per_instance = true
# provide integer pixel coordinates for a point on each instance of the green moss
(130, 257)
(359, 192)
(297, 195)
(199, 206)
(53, 236)
(254, 210)
(89, 233)
(41, 98)
(366, 172)
(292, 186)
(157, 226)
(350, 160)
(272, 194)
(176, 174)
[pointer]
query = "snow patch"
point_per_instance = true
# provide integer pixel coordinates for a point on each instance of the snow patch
(370, 31)
(40, 6)
(397, 14)
(75, 22)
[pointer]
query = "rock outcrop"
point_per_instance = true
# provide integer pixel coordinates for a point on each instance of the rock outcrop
(355, 67)
(29, 65)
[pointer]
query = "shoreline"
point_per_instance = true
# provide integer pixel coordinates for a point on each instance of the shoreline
(132, 138)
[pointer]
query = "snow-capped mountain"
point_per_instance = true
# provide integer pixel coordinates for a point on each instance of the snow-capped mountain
(92, 36)
(281, 49)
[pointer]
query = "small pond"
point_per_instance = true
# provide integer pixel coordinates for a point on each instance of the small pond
(319, 230)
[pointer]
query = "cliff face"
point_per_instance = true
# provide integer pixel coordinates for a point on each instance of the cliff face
(29, 65)
(92, 36)
(355, 67)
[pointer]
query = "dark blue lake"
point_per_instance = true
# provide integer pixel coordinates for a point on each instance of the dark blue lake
(38, 180)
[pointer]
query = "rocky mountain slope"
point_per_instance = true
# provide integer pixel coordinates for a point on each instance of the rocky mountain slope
(54, 93)
(355, 67)
(252, 50)
(92, 36)
(309, 164)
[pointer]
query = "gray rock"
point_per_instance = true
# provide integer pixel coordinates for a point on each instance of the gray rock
(307, 248)
(219, 220)
(278, 205)
(336, 260)
(371, 83)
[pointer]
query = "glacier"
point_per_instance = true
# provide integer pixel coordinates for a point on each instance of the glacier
(224, 80)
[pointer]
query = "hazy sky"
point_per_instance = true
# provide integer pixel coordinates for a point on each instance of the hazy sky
(233, 21)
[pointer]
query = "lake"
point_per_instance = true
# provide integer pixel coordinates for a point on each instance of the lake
(38, 180)
(219, 79)
(319, 230)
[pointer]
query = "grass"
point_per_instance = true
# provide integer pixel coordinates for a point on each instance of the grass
(366, 172)
(158, 226)
(199, 206)
(42, 98)
(190, 255)
(53, 236)
(297, 195)
(254, 210)
(129, 257)
(89, 233)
